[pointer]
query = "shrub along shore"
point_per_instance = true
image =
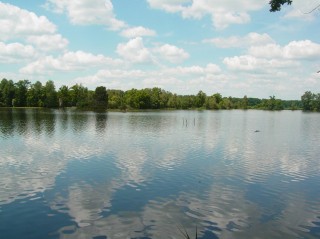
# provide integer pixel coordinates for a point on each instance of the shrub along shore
(26, 94)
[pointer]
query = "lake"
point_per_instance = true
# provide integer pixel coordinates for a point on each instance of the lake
(230, 174)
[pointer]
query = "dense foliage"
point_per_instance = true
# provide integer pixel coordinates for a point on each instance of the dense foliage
(25, 94)
(275, 5)
(310, 101)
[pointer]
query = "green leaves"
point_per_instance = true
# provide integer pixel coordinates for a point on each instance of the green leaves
(100, 97)
(275, 5)
(310, 101)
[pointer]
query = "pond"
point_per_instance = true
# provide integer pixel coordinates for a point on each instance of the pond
(230, 174)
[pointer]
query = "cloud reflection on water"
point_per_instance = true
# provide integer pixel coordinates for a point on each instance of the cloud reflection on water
(203, 175)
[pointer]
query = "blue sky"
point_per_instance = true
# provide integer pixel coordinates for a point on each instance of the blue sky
(232, 47)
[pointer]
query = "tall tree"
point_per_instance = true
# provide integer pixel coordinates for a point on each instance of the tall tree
(316, 104)
(155, 97)
(50, 95)
(7, 92)
(244, 102)
(211, 103)
(144, 99)
(131, 98)
(79, 95)
(218, 97)
(101, 97)
(21, 90)
(307, 100)
(35, 95)
(115, 99)
(226, 103)
(173, 102)
(201, 99)
(64, 96)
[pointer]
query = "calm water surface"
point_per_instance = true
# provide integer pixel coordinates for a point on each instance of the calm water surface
(69, 174)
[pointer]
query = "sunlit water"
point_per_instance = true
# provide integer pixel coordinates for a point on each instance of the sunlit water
(69, 174)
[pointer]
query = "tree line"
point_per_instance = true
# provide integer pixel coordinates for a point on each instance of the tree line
(26, 94)
(310, 101)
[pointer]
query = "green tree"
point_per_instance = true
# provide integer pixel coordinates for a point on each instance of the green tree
(164, 98)
(275, 5)
(218, 97)
(244, 102)
(279, 105)
(144, 99)
(155, 100)
(187, 101)
(130, 98)
(35, 95)
(101, 97)
(316, 102)
(7, 90)
(173, 102)
(141, 99)
(307, 100)
(214, 102)
(50, 95)
(271, 104)
(79, 96)
(211, 103)
(116, 99)
(226, 103)
(64, 96)
(200, 99)
(21, 90)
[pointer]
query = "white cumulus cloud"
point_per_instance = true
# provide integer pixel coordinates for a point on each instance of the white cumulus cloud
(251, 39)
(137, 32)
(16, 23)
(134, 51)
(48, 42)
(172, 54)
(272, 57)
(222, 12)
(69, 61)
(24, 26)
(295, 50)
(268, 51)
(258, 65)
(193, 70)
(243, 62)
(169, 5)
(88, 12)
(222, 20)
(15, 52)
(302, 50)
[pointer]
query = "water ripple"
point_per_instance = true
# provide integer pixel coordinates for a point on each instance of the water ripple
(146, 174)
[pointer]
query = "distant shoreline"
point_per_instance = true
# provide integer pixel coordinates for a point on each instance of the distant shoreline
(141, 110)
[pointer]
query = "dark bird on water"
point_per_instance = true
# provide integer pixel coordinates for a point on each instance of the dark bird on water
(257, 131)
